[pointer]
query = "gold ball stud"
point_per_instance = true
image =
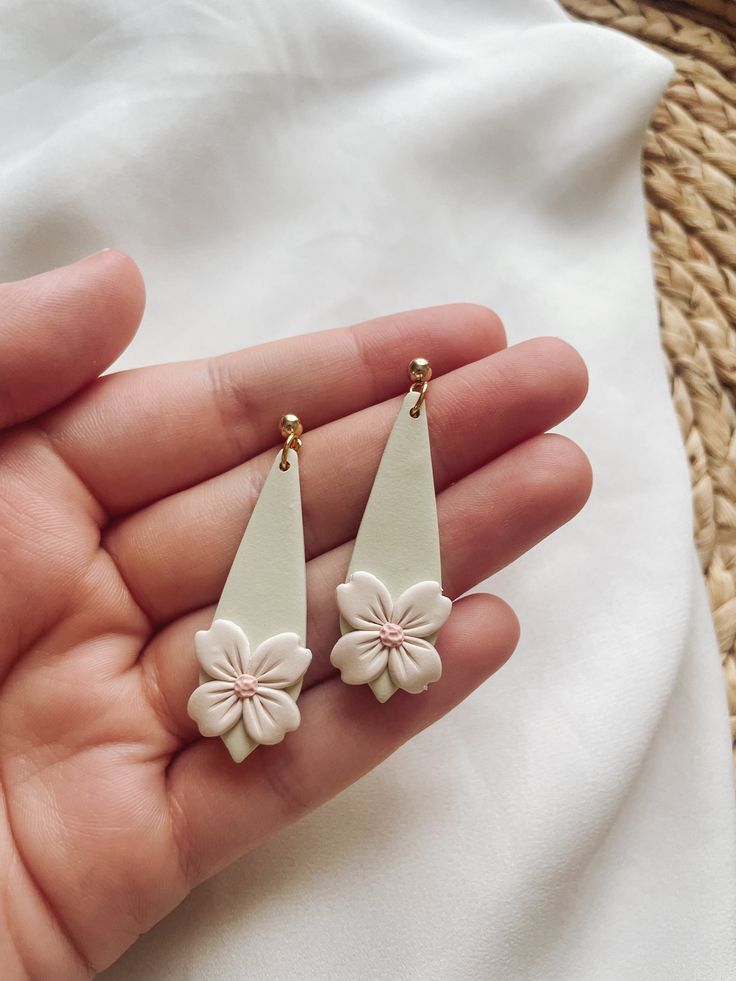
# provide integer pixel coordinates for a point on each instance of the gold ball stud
(420, 370)
(290, 425)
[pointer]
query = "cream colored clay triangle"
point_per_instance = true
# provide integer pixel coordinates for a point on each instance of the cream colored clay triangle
(398, 540)
(266, 588)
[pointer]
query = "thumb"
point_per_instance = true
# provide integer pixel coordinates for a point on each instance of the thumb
(61, 329)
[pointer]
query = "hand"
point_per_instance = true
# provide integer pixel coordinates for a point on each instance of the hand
(122, 501)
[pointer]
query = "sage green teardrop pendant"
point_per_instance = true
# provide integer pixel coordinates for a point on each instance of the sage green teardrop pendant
(266, 589)
(253, 659)
(398, 540)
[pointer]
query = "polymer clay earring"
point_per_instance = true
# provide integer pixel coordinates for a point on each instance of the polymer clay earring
(391, 606)
(253, 659)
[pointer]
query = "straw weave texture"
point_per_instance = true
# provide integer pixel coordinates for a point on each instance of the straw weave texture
(689, 170)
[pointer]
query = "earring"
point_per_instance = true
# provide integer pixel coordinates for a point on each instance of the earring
(391, 606)
(253, 659)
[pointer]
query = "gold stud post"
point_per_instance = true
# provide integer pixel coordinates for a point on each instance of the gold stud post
(290, 427)
(420, 372)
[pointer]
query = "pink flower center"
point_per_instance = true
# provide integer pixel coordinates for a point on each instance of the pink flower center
(391, 635)
(245, 686)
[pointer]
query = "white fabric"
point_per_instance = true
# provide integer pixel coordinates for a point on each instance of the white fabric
(277, 167)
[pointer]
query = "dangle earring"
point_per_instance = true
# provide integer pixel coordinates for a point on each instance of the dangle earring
(252, 659)
(391, 606)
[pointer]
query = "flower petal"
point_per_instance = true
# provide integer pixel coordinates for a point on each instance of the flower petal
(364, 601)
(269, 715)
(422, 609)
(223, 650)
(214, 707)
(360, 657)
(280, 661)
(414, 665)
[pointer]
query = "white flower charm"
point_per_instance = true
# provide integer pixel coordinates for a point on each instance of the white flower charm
(389, 635)
(248, 686)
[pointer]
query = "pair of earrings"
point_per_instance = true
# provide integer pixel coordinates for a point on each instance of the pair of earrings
(253, 659)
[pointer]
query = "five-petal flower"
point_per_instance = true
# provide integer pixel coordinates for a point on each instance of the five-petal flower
(245, 685)
(389, 635)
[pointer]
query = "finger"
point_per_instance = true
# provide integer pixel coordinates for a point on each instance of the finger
(61, 329)
(486, 520)
(476, 413)
(143, 434)
(344, 733)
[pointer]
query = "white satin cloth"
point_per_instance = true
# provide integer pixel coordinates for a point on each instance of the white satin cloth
(277, 167)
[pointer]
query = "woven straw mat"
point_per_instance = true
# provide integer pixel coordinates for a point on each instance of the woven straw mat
(689, 170)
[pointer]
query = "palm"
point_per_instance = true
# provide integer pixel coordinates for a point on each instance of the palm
(120, 510)
(84, 749)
